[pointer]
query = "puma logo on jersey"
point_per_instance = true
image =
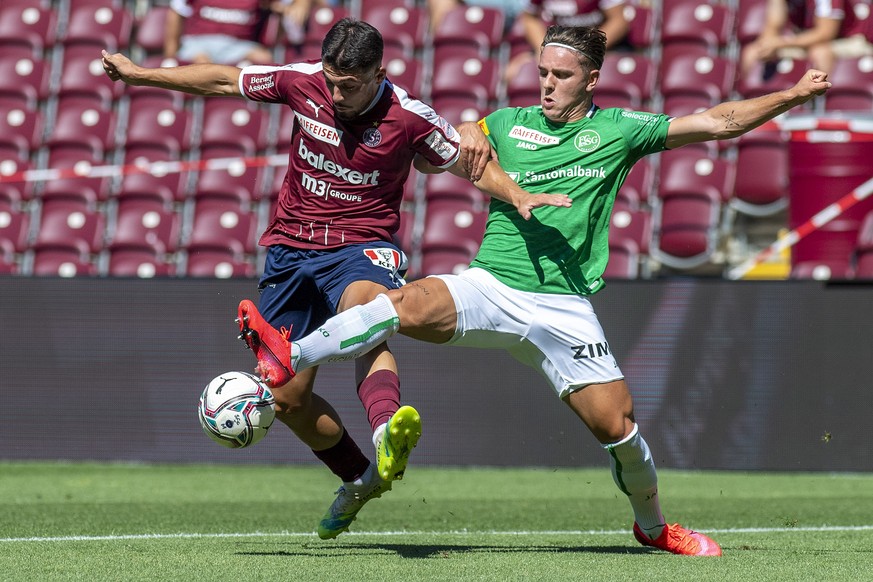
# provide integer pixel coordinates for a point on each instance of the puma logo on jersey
(312, 104)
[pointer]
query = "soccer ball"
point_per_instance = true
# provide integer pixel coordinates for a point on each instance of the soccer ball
(236, 409)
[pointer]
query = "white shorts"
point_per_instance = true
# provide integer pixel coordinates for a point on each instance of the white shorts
(559, 335)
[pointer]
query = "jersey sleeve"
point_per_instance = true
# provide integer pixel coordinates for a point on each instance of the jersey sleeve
(271, 84)
(646, 133)
(433, 138)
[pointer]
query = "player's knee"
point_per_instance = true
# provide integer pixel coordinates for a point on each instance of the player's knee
(290, 402)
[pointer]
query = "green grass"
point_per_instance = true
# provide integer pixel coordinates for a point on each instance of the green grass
(209, 522)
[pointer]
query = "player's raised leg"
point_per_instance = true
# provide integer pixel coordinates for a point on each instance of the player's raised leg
(270, 346)
(395, 441)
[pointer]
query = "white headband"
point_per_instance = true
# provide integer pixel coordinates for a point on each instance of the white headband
(572, 48)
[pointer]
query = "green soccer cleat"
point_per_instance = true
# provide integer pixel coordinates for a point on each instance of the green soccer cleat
(350, 499)
(400, 437)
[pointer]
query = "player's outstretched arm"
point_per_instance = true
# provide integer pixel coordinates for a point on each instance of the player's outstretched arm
(734, 118)
(195, 79)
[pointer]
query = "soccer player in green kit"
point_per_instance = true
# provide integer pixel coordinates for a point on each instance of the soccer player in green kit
(526, 291)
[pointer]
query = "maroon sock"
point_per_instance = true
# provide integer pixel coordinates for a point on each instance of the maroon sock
(380, 395)
(345, 459)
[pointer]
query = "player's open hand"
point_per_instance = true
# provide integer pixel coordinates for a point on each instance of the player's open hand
(526, 204)
(118, 67)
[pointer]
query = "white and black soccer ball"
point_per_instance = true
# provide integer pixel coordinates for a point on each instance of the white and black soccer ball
(236, 409)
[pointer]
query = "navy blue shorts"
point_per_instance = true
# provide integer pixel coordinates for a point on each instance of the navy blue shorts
(300, 289)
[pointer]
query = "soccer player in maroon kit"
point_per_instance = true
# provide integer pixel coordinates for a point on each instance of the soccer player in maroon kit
(329, 241)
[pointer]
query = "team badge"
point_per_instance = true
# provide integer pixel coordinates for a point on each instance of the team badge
(390, 259)
(372, 137)
(587, 140)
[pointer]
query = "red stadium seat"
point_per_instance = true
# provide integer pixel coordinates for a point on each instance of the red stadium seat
(821, 270)
(447, 186)
(29, 26)
(699, 75)
(696, 22)
(14, 230)
(219, 223)
(21, 128)
(235, 122)
(76, 162)
(402, 27)
(624, 260)
(477, 27)
(642, 25)
(626, 80)
(472, 78)
(686, 228)
(229, 175)
(628, 223)
(150, 30)
(82, 74)
(25, 78)
(786, 74)
(852, 85)
(751, 16)
(453, 224)
(143, 222)
(408, 74)
(638, 186)
(523, 89)
(143, 263)
(83, 121)
(12, 164)
(153, 179)
(761, 187)
(72, 225)
(61, 262)
(155, 124)
(217, 263)
(440, 261)
(98, 26)
(693, 170)
(458, 110)
(321, 20)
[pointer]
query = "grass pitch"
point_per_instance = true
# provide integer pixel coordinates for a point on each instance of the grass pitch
(160, 522)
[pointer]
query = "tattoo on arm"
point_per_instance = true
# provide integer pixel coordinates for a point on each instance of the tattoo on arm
(729, 120)
(419, 285)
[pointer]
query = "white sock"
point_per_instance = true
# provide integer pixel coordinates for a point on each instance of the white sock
(347, 335)
(634, 472)
(379, 433)
(364, 480)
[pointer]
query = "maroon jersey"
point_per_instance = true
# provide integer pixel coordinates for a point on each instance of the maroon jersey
(345, 178)
(571, 12)
(237, 18)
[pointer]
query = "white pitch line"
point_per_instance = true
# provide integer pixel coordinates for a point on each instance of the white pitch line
(823, 528)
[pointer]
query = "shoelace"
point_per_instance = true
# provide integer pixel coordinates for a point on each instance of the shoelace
(285, 332)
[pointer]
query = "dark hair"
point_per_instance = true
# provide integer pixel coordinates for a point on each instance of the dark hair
(587, 40)
(352, 46)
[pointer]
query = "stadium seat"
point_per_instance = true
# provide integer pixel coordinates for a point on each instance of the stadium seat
(143, 222)
(230, 175)
(447, 186)
(156, 182)
(440, 261)
(321, 20)
(523, 89)
(686, 228)
(852, 85)
(698, 75)
(785, 75)
(21, 128)
(685, 170)
(864, 249)
(626, 80)
(638, 186)
(642, 25)
(696, 23)
(458, 110)
(60, 262)
(627, 223)
(150, 32)
(70, 224)
(14, 230)
(404, 238)
(761, 187)
(402, 27)
(453, 224)
(219, 223)
(624, 260)
(478, 27)
(82, 74)
(155, 124)
(472, 78)
(28, 26)
(218, 264)
(76, 162)
(11, 165)
(83, 121)
(235, 122)
(98, 26)
(821, 270)
(408, 74)
(143, 263)
(26, 78)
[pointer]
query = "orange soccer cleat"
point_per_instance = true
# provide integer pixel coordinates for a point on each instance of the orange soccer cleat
(270, 346)
(678, 540)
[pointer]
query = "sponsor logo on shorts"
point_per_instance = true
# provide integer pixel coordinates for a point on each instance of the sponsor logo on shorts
(588, 351)
(587, 140)
(319, 130)
(386, 258)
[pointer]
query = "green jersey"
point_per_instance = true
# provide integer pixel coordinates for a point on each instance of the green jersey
(562, 250)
